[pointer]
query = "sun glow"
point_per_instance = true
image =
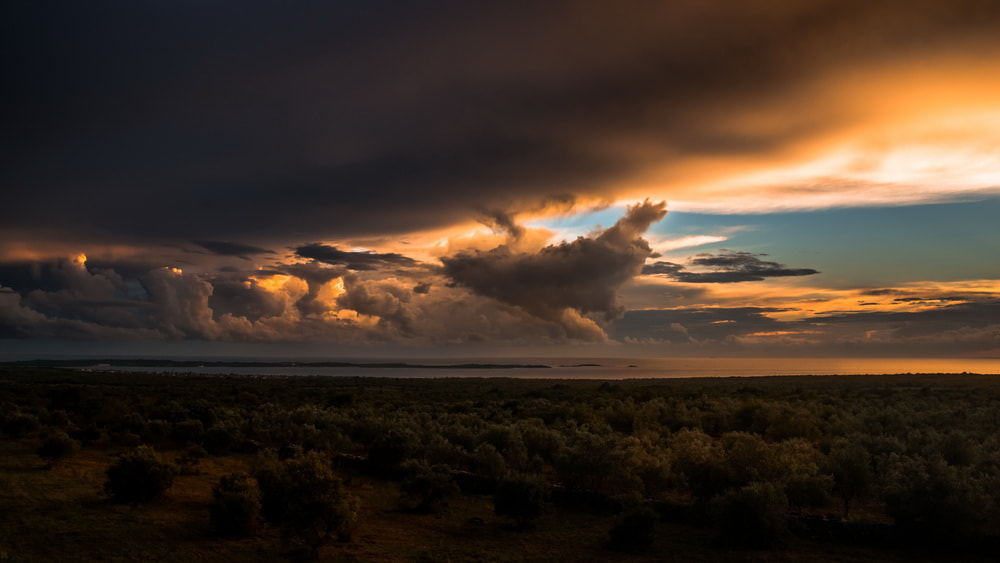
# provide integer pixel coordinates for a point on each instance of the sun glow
(273, 283)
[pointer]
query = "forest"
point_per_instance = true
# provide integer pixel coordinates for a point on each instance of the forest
(141, 466)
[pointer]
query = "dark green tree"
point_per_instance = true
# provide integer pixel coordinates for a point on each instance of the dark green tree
(634, 532)
(139, 475)
(427, 488)
(852, 473)
(235, 505)
(522, 498)
(56, 447)
(307, 500)
(755, 515)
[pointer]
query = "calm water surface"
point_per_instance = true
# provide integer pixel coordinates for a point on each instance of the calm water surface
(624, 368)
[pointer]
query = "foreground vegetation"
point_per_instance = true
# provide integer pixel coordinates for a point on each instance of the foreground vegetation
(165, 467)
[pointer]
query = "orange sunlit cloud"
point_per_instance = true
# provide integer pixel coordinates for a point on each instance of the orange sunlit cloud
(802, 302)
(900, 133)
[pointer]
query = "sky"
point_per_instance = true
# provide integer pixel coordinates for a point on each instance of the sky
(801, 178)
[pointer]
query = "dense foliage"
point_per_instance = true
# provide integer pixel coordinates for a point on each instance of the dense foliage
(750, 456)
(236, 505)
(139, 475)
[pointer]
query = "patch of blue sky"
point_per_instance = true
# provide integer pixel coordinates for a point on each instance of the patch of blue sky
(857, 246)
(861, 245)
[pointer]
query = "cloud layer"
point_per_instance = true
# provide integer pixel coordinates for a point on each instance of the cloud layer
(327, 121)
(730, 267)
(332, 295)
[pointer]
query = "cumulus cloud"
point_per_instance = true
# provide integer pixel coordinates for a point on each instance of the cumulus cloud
(731, 267)
(560, 283)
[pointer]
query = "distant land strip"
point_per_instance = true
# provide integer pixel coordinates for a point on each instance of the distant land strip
(206, 364)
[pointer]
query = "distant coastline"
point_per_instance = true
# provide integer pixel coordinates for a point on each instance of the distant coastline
(147, 363)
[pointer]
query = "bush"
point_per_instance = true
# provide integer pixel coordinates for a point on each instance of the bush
(20, 425)
(387, 454)
(139, 475)
(236, 505)
(219, 440)
(634, 532)
(56, 447)
(809, 490)
(427, 489)
(933, 501)
(754, 516)
(521, 498)
(307, 500)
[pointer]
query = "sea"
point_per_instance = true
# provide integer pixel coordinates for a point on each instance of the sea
(599, 368)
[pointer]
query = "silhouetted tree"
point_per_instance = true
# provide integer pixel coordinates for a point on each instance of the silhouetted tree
(755, 515)
(427, 488)
(307, 500)
(522, 498)
(634, 532)
(57, 447)
(852, 473)
(139, 475)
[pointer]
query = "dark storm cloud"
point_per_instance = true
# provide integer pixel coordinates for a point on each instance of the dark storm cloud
(235, 297)
(583, 275)
(47, 275)
(330, 120)
(700, 324)
(354, 260)
(952, 328)
(974, 314)
(735, 267)
(236, 249)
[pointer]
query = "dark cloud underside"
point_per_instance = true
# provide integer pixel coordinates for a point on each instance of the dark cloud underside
(224, 248)
(353, 260)
(732, 266)
(583, 275)
(327, 120)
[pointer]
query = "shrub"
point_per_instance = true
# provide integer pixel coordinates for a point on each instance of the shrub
(634, 532)
(387, 454)
(20, 425)
(755, 515)
(139, 475)
(809, 490)
(190, 430)
(307, 500)
(936, 502)
(521, 498)
(426, 488)
(56, 447)
(236, 505)
(219, 440)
